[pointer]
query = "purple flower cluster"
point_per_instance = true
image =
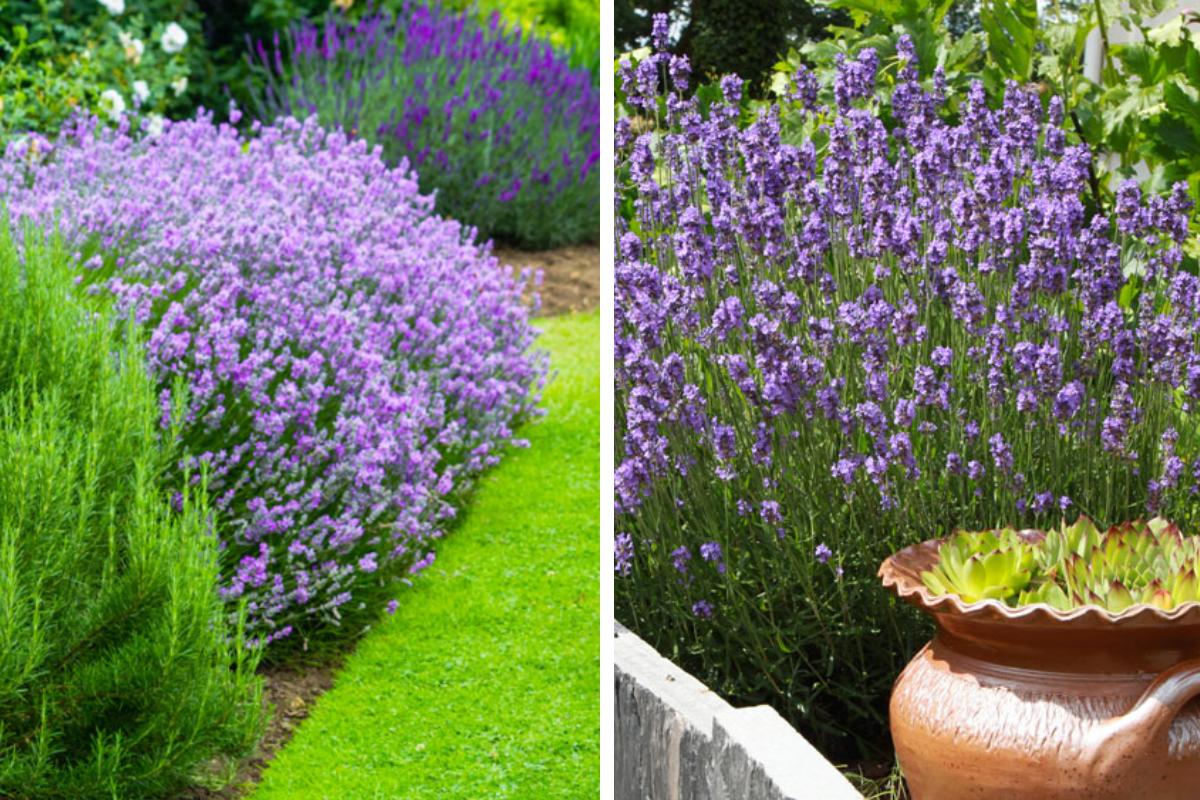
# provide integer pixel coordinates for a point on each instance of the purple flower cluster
(912, 298)
(496, 122)
(839, 337)
(344, 359)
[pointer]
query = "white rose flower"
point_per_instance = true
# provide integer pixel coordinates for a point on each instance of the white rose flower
(133, 47)
(114, 6)
(179, 85)
(153, 125)
(112, 104)
(141, 91)
(174, 38)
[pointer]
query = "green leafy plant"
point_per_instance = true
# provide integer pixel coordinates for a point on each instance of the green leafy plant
(118, 674)
(719, 37)
(1139, 115)
(879, 24)
(54, 63)
(570, 25)
(1149, 563)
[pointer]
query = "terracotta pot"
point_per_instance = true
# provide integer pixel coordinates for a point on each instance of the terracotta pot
(1038, 704)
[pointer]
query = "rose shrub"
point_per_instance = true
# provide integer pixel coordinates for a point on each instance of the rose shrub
(59, 59)
(351, 359)
(831, 347)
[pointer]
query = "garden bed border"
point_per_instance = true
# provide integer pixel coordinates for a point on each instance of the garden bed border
(676, 739)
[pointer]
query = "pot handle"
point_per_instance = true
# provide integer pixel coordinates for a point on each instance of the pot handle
(1122, 743)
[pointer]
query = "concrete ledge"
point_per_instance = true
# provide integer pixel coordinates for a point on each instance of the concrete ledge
(677, 740)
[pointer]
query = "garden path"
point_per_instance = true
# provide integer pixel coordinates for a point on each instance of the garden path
(570, 276)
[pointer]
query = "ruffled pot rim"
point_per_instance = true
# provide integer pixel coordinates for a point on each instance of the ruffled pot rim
(901, 574)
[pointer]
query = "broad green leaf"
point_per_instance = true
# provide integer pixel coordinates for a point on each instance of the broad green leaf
(1119, 598)
(1011, 28)
(862, 11)
(1140, 60)
(1169, 33)
(934, 581)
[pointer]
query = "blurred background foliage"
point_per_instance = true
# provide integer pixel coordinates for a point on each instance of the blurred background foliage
(719, 37)
(571, 25)
(57, 56)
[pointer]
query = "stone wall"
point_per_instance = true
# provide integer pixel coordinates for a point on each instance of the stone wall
(677, 740)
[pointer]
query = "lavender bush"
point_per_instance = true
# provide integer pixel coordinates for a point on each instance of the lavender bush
(831, 348)
(351, 359)
(496, 123)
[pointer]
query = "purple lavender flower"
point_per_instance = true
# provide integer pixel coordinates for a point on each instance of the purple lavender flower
(806, 88)
(731, 89)
(1069, 400)
(660, 32)
(494, 120)
(855, 79)
(680, 557)
(1002, 455)
(349, 359)
(900, 450)
(623, 553)
(869, 307)
(844, 469)
(702, 609)
(727, 318)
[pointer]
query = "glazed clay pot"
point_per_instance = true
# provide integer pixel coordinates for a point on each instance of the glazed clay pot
(1038, 704)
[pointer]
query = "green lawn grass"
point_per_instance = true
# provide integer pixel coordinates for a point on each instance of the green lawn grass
(485, 684)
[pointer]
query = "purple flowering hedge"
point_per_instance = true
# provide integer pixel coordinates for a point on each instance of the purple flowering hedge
(833, 346)
(496, 122)
(349, 359)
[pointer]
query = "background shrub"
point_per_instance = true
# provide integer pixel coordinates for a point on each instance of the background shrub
(352, 360)
(832, 346)
(116, 666)
(744, 37)
(497, 124)
(572, 26)
(1138, 114)
(58, 58)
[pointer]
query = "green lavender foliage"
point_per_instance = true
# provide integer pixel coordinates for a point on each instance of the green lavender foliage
(747, 538)
(118, 675)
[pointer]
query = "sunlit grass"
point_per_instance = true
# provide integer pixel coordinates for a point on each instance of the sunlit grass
(485, 684)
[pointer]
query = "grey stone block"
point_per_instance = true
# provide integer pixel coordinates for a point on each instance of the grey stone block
(677, 740)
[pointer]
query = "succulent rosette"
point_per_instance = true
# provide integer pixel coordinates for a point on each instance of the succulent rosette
(1136, 563)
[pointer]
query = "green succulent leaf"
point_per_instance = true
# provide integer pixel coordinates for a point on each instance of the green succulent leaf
(1147, 563)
